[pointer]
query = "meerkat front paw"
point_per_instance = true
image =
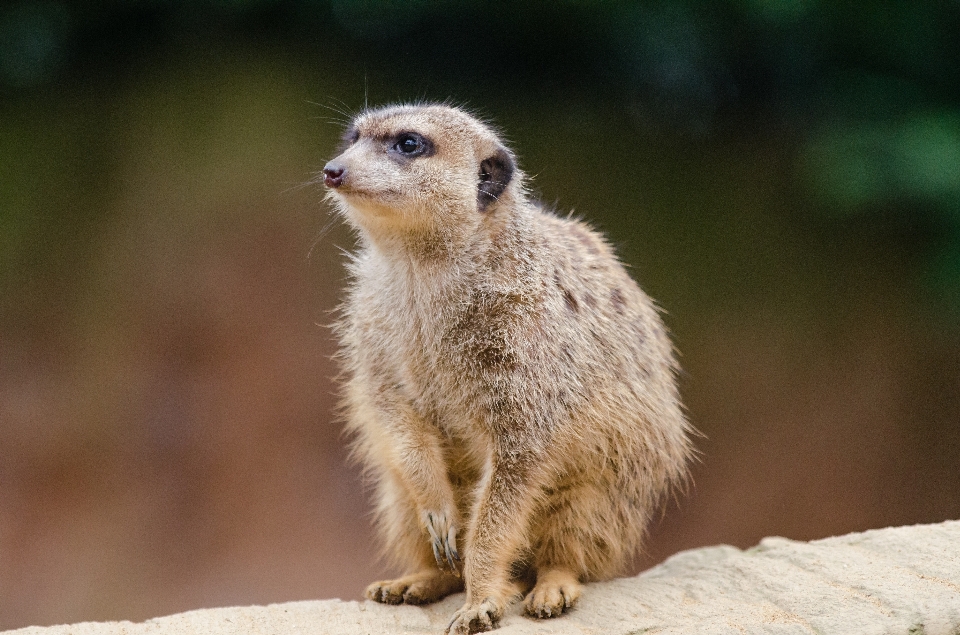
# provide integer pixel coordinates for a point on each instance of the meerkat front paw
(476, 618)
(443, 536)
(556, 591)
(422, 587)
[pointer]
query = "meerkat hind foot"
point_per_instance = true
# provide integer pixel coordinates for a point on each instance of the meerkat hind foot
(556, 591)
(422, 587)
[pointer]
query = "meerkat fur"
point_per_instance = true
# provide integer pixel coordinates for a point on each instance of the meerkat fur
(508, 387)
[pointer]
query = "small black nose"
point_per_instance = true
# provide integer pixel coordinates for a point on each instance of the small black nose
(333, 174)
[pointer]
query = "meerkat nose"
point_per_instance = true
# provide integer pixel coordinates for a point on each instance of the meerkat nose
(333, 174)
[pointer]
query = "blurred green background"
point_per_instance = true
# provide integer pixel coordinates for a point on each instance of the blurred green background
(783, 176)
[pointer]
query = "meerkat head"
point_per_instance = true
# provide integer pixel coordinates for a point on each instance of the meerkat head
(419, 169)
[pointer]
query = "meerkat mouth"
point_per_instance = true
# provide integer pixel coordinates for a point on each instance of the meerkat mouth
(349, 190)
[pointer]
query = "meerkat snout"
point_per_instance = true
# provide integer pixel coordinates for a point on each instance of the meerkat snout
(333, 174)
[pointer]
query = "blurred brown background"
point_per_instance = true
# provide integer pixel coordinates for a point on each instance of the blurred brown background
(782, 176)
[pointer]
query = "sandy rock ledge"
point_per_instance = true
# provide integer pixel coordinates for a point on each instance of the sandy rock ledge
(898, 580)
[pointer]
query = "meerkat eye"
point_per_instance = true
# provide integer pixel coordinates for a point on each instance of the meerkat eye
(408, 144)
(411, 144)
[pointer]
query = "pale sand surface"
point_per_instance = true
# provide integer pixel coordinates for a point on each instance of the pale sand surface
(895, 580)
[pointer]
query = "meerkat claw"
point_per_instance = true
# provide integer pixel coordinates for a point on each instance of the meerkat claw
(452, 556)
(443, 537)
(450, 549)
(435, 541)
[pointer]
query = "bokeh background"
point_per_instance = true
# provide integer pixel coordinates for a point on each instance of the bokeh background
(782, 175)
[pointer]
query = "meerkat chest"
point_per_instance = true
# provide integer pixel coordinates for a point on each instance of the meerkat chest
(404, 338)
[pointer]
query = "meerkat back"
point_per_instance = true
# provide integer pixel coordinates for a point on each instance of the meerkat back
(510, 389)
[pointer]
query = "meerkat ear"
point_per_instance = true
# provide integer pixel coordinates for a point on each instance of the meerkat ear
(495, 173)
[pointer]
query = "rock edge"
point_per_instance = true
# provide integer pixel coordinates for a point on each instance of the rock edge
(895, 580)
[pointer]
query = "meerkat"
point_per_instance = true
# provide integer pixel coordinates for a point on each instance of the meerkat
(509, 388)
